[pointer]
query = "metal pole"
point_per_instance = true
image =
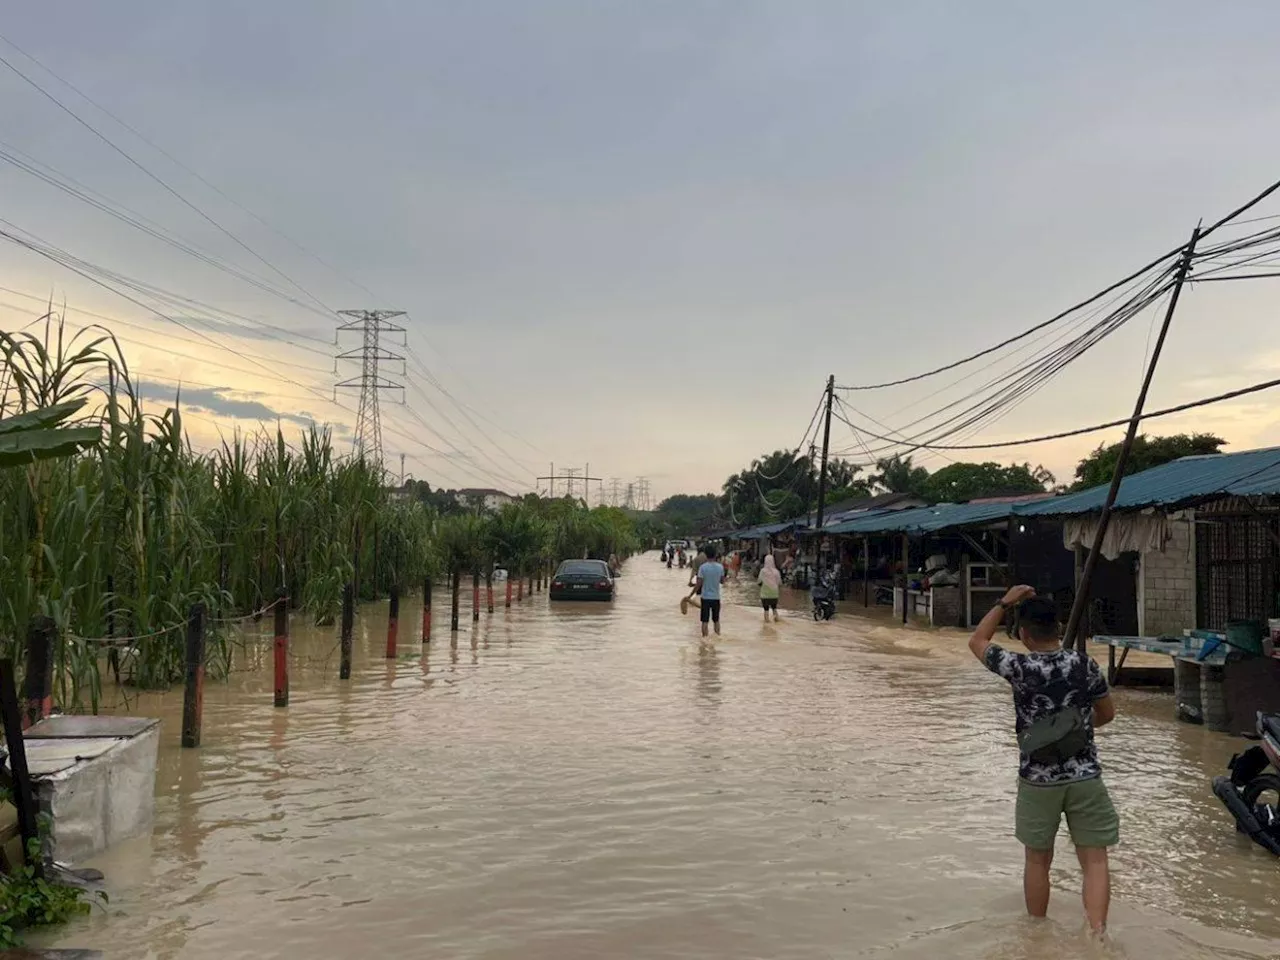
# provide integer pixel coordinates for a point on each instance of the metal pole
(1069, 635)
(906, 574)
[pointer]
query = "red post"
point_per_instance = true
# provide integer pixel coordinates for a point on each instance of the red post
(508, 590)
(488, 592)
(282, 650)
(393, 623)
(475, 596)
(520, 590)
(37, 685)
(426, 610)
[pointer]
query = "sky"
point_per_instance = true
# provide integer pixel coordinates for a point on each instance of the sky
(641, 235)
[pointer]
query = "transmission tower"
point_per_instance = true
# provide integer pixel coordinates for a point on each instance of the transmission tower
(371, 324)
(642, 494)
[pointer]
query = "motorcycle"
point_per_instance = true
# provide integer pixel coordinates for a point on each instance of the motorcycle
(823, 595)
(1243, 789)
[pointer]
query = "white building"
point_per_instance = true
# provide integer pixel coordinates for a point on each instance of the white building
(485, 498)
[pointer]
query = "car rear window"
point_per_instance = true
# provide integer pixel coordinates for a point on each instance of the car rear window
(594, 567)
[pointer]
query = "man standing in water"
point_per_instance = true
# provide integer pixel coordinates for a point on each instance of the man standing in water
(710, 576)
(1059, 697)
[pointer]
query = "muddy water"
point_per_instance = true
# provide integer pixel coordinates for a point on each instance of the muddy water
(596, 782)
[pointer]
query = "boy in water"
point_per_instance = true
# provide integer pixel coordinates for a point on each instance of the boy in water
(1059, 698)
(710, 576)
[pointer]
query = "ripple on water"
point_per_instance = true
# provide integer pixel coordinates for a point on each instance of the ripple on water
(597, 782)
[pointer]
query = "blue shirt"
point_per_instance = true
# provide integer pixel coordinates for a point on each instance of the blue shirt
(711, 573)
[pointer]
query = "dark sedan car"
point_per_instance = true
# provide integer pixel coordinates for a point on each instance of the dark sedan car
(582, 580)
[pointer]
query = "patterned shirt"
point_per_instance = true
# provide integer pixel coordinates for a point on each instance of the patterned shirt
(1043, 684)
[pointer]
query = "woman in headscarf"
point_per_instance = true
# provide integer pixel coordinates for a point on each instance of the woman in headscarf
(770, 581)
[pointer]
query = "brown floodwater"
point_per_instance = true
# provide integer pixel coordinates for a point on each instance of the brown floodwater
(566, 782)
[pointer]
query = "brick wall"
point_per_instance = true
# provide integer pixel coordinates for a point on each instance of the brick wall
(1169, 583)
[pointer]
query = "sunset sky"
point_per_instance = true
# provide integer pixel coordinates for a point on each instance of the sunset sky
(640, 235)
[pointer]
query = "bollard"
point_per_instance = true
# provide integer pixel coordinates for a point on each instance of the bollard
(508, 603)
(348, 622)
(193, 692)
(393, 623)
(426, 610)
(455, 588)
(475, 595)
(37, 685)
(488, 591)
(23, 798)
(282, 650)
(520, 590)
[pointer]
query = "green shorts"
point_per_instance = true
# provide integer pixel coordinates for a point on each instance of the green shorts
(1091, 817)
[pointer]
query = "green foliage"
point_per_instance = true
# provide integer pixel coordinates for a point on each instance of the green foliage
(781, 485)
(958, 482)
(167, 527)
(27, 901)
(683, 514)
(898, 474)
(1147, 452)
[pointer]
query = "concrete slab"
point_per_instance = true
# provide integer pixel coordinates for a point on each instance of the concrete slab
(76, 726)
(47, 757)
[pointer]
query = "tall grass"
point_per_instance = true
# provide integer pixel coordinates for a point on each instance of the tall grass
(128, 535)
(123, 538)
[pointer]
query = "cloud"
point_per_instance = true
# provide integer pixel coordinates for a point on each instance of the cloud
(220, 402)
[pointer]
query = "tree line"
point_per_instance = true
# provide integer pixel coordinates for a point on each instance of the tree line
(783, 484)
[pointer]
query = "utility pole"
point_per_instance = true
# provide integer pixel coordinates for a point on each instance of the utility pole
(402, 471)
(570, 476)
(371, 324)
(822, 470)
(1091, 561)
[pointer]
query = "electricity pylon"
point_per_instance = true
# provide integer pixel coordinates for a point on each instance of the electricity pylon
(372, 324)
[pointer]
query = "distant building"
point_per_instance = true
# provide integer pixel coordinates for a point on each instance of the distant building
(483, 498)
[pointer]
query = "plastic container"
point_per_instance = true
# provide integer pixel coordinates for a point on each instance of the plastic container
(1246, 635)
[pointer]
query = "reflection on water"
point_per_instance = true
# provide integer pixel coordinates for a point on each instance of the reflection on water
(596, 780)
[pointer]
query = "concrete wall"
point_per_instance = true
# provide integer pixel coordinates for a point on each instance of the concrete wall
(1167, 583)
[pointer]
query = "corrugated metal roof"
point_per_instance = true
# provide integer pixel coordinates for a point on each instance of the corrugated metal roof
(765, 530)
(1178, 483)
(921, 520)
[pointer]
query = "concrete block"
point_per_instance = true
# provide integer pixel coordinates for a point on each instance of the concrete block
(98, 801)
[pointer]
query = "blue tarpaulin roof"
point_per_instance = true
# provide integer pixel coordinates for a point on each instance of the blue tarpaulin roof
(1178, 483)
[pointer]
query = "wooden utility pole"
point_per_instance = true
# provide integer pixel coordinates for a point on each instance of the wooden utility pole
(1069, 635)
(822, 469)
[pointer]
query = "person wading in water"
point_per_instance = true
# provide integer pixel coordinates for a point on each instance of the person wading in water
(710, 576)
(1059, 698)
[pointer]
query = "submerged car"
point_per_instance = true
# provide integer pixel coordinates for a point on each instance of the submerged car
(582, 580)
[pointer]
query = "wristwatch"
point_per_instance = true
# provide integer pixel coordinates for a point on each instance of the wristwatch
(1003, 606)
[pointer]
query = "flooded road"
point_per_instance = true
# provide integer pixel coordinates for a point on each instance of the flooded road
(597, 782)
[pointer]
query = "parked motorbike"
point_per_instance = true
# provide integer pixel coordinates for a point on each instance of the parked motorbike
(1255, 775)
(823, 594)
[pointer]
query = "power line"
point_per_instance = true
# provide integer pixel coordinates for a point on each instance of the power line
(1176, 251)
(1167, 411)
(153, 176)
